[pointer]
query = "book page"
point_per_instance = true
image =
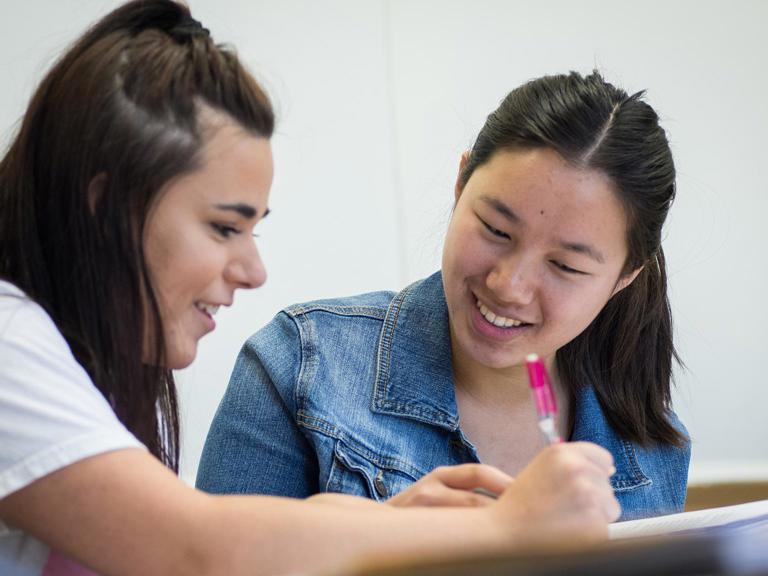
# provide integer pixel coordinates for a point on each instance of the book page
(752, 512)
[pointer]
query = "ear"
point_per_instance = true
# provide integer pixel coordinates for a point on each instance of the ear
(95, 191)
(457, 188)
(626, 280)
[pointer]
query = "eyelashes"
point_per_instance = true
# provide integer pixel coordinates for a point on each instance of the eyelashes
(224, 230)
(565, 268)
(494, 231)
(557, 264)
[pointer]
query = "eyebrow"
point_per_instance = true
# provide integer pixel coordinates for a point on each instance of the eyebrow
(510, 215)
(502, 209)
(245, 210)
(584, 249)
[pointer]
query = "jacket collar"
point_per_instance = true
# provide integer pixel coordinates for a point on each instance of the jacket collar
(591, 425)
(414, 377)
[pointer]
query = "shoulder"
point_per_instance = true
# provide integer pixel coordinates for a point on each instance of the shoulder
(309, 325)
(25, 326)
(286, 352)
(421, 302)
(321, 346)
(371, 304)
(51, 414)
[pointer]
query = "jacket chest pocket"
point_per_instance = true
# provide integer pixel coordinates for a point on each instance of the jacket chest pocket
(356, 474)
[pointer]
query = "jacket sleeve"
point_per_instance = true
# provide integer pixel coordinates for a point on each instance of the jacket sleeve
(254, 445)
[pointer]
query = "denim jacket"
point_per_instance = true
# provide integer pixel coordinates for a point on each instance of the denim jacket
(356, 395)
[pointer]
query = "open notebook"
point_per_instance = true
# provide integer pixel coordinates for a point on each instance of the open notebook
(731, 541)
(749, 518)
(736, 535)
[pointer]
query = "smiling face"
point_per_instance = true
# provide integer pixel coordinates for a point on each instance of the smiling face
(534, 251)
(198, 237)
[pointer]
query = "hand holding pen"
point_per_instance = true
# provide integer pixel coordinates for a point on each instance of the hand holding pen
(568, 484)
(566, 487)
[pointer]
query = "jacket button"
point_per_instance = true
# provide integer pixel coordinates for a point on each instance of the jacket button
(378, 484)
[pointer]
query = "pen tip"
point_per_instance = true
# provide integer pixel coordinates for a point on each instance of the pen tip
(532, 358)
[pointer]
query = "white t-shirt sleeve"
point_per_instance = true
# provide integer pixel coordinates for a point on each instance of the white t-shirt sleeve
(51, 414)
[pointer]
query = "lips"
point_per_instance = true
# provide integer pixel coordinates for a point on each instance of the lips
(497, 319)
(209, 309)
(207, 312)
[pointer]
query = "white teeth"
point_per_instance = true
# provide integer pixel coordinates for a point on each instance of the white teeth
(499, 321)
(209, 308)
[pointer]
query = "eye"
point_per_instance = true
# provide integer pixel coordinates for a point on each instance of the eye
(224, 230)
(492, 230)
(565, 268)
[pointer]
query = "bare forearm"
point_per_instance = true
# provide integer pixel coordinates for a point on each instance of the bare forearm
(262, 535)
(131, 515)
(134, 517)
(344, 500)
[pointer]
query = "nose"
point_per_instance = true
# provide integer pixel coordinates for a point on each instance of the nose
(247, 269)
(513, 280)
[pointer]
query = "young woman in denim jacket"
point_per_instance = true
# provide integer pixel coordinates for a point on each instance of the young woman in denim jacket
(127, 202)
(554, 247)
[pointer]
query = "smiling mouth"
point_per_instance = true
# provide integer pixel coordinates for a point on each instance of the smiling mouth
(496, 320)
(209, 309)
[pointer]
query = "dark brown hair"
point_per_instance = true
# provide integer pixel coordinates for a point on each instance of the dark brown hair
(626, 353)
(111, 124)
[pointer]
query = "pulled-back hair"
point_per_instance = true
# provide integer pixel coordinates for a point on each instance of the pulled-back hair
(115, 120)
(626, 353)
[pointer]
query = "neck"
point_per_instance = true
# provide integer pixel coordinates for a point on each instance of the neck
(498, 386)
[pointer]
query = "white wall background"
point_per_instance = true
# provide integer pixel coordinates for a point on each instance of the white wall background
(378, 98)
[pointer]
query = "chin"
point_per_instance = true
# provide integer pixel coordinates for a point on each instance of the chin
(496, 359)
(179, 359)
(499, 362)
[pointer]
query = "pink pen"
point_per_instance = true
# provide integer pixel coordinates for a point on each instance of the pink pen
(544, 398)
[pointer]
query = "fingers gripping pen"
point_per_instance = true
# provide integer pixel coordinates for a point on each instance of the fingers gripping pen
(543, 397)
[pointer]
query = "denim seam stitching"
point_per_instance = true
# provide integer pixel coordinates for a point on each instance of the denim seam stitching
(319, 425)
(389, 463)
(383, 365)
(331, 476)
(359, 469)
(426, 415)
(384, 352)
(639, 479)
(305, 363)
(372, 312)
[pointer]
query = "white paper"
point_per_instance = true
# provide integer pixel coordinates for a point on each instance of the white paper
(710, 518)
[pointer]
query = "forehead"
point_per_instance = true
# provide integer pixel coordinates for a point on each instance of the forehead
(551, 197)
(234, 166)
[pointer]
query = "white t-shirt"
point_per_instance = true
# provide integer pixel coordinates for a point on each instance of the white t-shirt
(51, 415)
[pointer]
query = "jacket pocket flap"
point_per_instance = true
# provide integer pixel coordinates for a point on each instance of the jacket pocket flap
(354, 473)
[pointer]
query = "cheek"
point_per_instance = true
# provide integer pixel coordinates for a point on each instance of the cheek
(465, 252)
(185, 266)
(168, 281)
(160, 253)
(574, 308)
